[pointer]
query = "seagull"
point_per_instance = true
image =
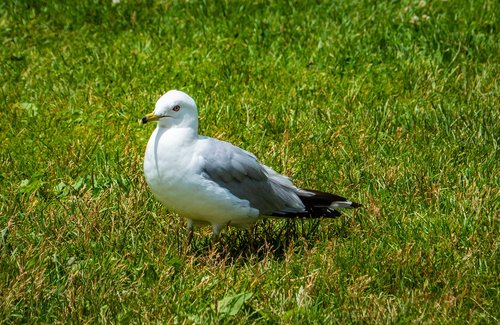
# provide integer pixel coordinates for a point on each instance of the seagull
(212, 182)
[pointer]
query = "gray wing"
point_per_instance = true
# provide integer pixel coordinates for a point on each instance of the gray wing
(241, 173)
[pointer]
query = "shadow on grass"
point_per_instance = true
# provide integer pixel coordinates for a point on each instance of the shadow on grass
(268, 239)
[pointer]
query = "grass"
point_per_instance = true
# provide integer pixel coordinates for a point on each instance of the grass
(394, 104)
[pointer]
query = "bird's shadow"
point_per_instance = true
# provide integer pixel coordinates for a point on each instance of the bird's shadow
(268, 239)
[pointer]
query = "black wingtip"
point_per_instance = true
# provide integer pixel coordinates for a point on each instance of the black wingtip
(310, 213)
(355, 205)
(325, 199)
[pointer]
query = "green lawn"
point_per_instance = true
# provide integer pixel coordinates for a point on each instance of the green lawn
(394, 104)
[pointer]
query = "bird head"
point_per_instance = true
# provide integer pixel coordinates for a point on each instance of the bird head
(174, 109)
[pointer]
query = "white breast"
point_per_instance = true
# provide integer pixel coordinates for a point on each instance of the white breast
(174, 174)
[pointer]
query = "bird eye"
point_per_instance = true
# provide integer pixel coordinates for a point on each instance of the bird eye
(176, 108)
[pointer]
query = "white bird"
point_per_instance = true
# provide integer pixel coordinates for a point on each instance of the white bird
(212, 182)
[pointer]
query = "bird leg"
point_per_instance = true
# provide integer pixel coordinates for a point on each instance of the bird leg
(190, 226)
(216, 228)
(184, 246)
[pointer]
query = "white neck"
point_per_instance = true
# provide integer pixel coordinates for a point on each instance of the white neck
(186, 123)
(178, 133)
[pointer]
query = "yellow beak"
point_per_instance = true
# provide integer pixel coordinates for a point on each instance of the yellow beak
(148, 118)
